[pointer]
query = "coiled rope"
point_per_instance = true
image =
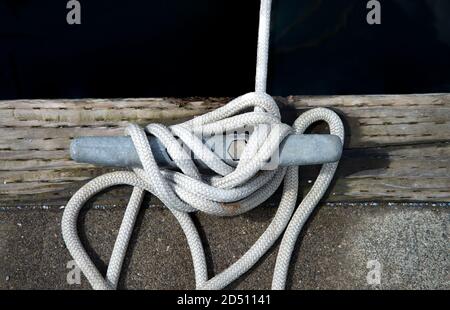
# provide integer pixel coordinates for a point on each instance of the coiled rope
(230, 191)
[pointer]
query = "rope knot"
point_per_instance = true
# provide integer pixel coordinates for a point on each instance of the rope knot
(253, 120)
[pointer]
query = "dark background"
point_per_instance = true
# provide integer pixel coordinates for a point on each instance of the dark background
(207, 48)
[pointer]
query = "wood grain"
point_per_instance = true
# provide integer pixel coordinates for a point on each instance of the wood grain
(397, 147)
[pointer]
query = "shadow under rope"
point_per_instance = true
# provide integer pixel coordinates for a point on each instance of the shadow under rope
(353, 160)
(96, 257)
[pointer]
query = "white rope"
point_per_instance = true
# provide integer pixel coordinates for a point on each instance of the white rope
(230, 191)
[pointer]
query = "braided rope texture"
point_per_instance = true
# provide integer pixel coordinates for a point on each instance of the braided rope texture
(226, 191)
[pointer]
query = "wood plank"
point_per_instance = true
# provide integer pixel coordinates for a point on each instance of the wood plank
(397, 146)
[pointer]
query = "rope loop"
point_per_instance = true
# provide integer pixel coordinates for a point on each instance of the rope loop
(227, 189)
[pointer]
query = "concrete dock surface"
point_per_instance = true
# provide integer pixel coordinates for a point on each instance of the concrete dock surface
(343, 246)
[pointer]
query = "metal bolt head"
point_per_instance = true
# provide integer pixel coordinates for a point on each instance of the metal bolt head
(236, 148)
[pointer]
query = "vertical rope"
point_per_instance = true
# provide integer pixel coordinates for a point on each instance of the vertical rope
(262, 58)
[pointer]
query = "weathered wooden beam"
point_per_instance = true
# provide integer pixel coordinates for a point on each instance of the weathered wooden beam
(397, 147)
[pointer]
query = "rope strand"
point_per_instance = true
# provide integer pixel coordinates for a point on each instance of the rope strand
(230, 191)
